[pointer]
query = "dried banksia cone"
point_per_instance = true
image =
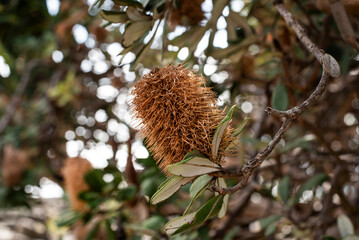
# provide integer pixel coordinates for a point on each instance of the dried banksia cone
(15, 162)
(177, 114)
(186, 13)
(73, 172)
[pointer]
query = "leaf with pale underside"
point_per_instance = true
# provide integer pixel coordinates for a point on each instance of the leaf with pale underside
(168, 188)
(345, 226)
(134, 31)
(197, 189)
(193, 166)
(220, 182)
(240, 127)
(217, 138)
(208, 210)
(331, 66)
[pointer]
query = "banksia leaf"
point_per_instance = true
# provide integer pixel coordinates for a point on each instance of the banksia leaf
(177, 114)
(186, 13)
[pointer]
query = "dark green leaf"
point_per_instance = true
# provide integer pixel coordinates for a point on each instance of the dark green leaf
(280, 99)
(283, 189)
(93, 232)
(270, 230)
(127, 193)
(94, 179)
(88, 196)
(265, 222)
(197, 188)
(231, 233)
(110, 234)
(310, 184)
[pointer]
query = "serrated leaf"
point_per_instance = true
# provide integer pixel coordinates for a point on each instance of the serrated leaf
(136, 15)
(114, 17)
(265, 222)
(283, 189)
(221, 182)
(308, 185)
(280, 100)
(193, 166)
(197, 188)
(208, 210)
(218, 134)
(345, 226)
(134, 31)
(169, 188)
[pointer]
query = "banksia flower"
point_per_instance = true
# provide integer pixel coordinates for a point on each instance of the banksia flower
(73, 172)
(187, 13)
(15, 162)
(177, 114)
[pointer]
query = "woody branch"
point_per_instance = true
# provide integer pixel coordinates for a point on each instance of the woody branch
(330, 69)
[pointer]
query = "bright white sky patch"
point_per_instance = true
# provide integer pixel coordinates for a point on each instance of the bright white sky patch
(50, 189)
(98, 155)
(107, 92)
(247, 107)
(183, 54)
(53, 7)
(80, 33)
(220, 39)
(57, 56)
(4, 68)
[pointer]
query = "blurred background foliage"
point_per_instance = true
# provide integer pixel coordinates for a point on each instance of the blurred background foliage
(66, 70)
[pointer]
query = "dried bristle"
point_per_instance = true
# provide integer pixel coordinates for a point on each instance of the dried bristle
(177, 114)
(73, 172)
(187, 13)
(15, 162)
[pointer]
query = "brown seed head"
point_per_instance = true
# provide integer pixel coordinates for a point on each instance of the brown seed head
(177, 114)
(187, 13)
(73, 172)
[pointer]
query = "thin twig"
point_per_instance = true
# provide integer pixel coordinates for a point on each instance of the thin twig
(329, 69)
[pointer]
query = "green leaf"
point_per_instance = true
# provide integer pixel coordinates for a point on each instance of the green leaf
(265, 222)
(208, 210)
(110, 234)
(270, 230)
(197, 188)
(198, 184)
(94, 179)
(283, 189)
(231, 233)
(128, 193)
(310, 184)
(345, 226)
(193, 166)
(169, 187)
(134, 31)
(240, 127)
(136, 15)
(221, 182)
(93, 232)
(154, 222)
(218, 134)
(88, 196)
(280, 99)
(68, 218)
(114, 17)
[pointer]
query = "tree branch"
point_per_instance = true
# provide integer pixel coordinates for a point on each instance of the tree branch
(330, 68)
